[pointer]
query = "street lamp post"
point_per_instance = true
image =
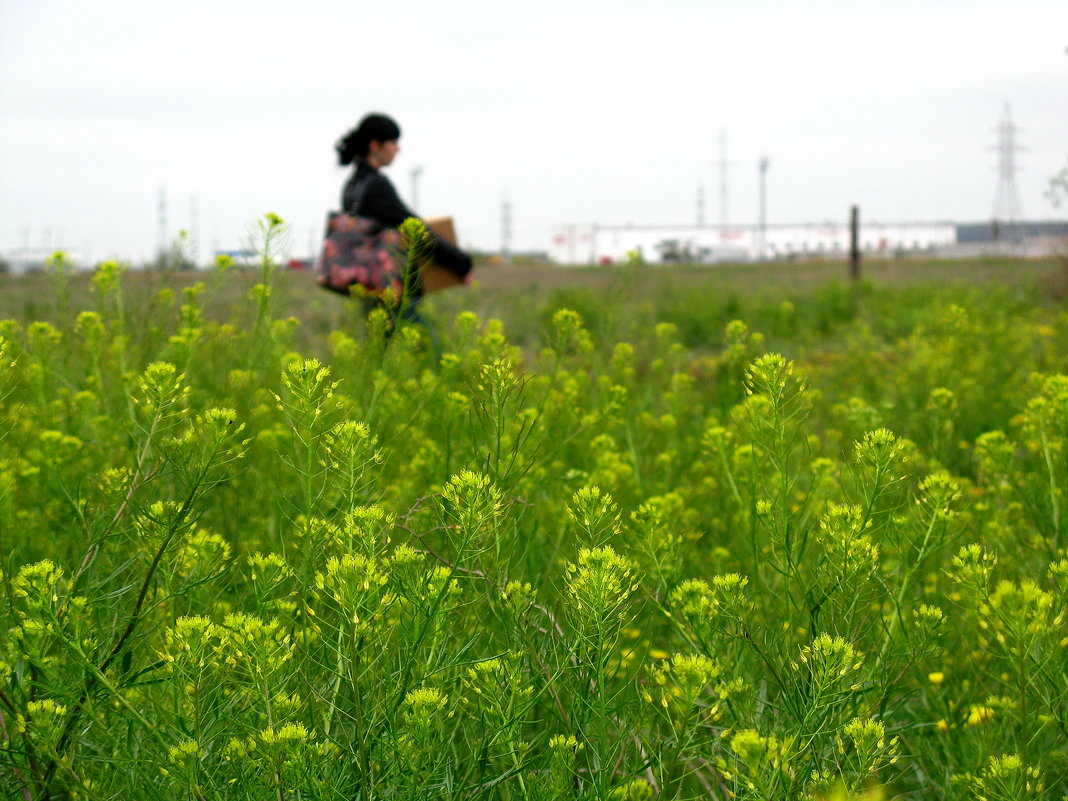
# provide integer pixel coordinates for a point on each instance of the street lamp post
(416, 172)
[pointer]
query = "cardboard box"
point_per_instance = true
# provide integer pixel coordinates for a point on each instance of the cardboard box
(436, 278)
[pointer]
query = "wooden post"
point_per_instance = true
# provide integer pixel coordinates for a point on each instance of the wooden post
(854, 243)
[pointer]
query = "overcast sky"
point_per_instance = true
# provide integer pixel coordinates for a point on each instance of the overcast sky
(575, 111)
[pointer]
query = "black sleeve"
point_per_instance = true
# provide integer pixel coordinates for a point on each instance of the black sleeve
(451, 257)
(381, 202)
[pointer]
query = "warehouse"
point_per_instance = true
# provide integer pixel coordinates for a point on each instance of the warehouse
(604, 244)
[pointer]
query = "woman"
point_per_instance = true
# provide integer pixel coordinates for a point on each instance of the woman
(372, 145)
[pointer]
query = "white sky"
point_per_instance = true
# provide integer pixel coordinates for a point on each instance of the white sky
(575, 110)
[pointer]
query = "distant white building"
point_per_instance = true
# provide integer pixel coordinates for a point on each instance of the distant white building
(32, 260)
(609, 244)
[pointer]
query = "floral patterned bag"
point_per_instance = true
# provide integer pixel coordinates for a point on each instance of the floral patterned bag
(360, 251)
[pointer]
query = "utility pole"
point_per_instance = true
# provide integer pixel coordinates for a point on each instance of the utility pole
(722, 179)
(700, 204)
(416, 172)
(194, 233)
(161, 249)
(763, 168)
(854, 242)
(506, 229)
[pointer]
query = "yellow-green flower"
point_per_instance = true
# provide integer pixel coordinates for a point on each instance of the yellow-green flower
(978, 713)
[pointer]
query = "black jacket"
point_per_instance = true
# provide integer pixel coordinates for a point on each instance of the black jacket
(371, 194)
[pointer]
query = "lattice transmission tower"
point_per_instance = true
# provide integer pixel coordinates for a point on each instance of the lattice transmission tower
(1007, 225)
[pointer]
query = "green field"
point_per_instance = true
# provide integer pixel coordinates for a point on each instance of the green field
(742, 532)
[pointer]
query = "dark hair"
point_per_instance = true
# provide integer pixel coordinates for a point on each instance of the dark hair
(372, 128)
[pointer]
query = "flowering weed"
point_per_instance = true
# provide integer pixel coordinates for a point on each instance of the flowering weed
(641, 559)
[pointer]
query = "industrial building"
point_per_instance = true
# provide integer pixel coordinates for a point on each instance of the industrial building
(604, 244)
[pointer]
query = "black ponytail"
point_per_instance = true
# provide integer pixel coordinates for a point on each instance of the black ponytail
(372, 128)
